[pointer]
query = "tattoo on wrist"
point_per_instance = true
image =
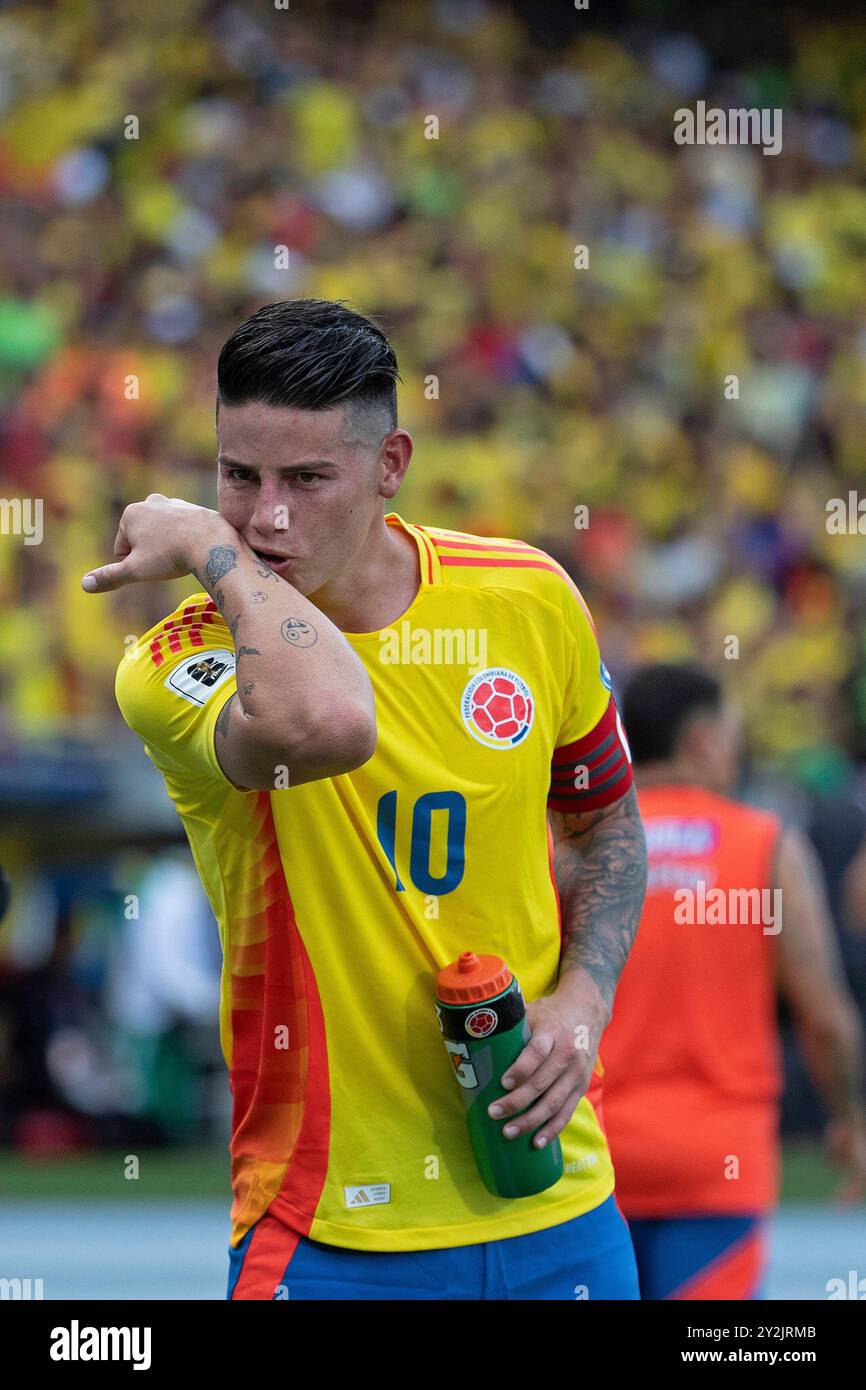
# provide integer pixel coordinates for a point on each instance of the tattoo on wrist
(247, 651)
(266, 572)
(233, 625)
(248, 687)
(258, 597)
(220, 559)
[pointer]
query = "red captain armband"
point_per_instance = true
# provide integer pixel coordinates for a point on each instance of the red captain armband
(594, 770)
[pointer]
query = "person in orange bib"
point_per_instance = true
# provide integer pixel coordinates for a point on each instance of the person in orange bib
(735, 911)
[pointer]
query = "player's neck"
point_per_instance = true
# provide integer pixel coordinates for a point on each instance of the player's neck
(378, 587)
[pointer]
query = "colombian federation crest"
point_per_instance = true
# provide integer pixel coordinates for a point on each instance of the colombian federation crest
(497, 707)
(481, 1022)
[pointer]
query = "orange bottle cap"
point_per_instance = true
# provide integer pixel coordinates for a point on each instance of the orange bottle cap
(472, 977)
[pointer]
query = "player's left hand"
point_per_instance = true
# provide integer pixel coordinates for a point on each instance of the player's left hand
(554, 1069)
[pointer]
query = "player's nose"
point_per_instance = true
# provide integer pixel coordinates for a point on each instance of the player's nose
(271, 517)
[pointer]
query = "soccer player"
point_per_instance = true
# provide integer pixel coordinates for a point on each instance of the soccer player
(735, 911)
(363, 724)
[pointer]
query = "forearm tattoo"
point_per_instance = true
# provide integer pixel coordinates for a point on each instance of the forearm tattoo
(600, 864)
(298, 633)
(220, 559)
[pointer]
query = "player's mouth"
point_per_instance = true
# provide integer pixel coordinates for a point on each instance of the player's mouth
(280, 564)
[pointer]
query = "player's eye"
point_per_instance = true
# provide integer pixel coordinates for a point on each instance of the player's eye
(307, 477)
(238, 475)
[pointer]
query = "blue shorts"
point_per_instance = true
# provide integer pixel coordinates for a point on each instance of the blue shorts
(589, 1257)
(701, 1257)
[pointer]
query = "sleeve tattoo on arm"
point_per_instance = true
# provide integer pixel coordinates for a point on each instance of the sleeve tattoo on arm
(601, 869)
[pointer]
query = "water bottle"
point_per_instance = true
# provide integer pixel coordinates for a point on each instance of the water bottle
(483, 1019)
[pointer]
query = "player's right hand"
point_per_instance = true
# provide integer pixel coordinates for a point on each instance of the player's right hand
(155, 540)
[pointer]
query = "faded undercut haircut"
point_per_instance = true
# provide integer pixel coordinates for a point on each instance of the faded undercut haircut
(313, 354)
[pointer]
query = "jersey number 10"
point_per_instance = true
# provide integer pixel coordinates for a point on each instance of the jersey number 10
(422, 828)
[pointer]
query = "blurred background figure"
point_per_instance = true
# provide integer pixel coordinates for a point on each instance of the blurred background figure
(109, 1018)
(163, 997)
(669, 421)
(735, 910)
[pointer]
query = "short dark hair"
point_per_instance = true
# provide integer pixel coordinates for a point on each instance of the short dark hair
(659, 700)
(311, 354)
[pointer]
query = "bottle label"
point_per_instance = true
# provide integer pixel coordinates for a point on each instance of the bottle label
(473, 1070)
(477, 1020)
(463, 1068)
(481, 1022)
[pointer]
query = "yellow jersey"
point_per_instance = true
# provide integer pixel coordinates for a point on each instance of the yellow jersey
(338, 901)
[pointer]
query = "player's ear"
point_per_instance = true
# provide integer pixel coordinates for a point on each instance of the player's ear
(395, 453)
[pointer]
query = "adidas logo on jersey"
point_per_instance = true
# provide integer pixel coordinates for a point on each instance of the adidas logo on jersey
(367, 1195)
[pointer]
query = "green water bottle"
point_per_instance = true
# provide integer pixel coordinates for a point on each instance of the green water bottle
(483, 1019)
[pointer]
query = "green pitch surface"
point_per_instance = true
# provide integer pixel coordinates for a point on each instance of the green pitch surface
(192, 1173)
(180, 1173)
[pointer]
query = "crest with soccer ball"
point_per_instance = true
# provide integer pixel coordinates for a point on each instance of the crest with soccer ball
(497, 707)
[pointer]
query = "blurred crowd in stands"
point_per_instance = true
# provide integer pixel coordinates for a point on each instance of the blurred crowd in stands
(699, 385)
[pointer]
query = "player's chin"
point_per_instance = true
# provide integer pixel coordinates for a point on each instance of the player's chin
(298, 577)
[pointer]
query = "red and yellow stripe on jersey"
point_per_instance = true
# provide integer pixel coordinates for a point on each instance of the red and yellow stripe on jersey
(338, 901)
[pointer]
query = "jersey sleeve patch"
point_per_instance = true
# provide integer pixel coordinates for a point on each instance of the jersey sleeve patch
(197, 678)
(594, 770)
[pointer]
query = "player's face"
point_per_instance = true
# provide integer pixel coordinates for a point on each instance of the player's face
(298, 489)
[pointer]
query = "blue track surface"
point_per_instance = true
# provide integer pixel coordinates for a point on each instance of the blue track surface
(177, 1250)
